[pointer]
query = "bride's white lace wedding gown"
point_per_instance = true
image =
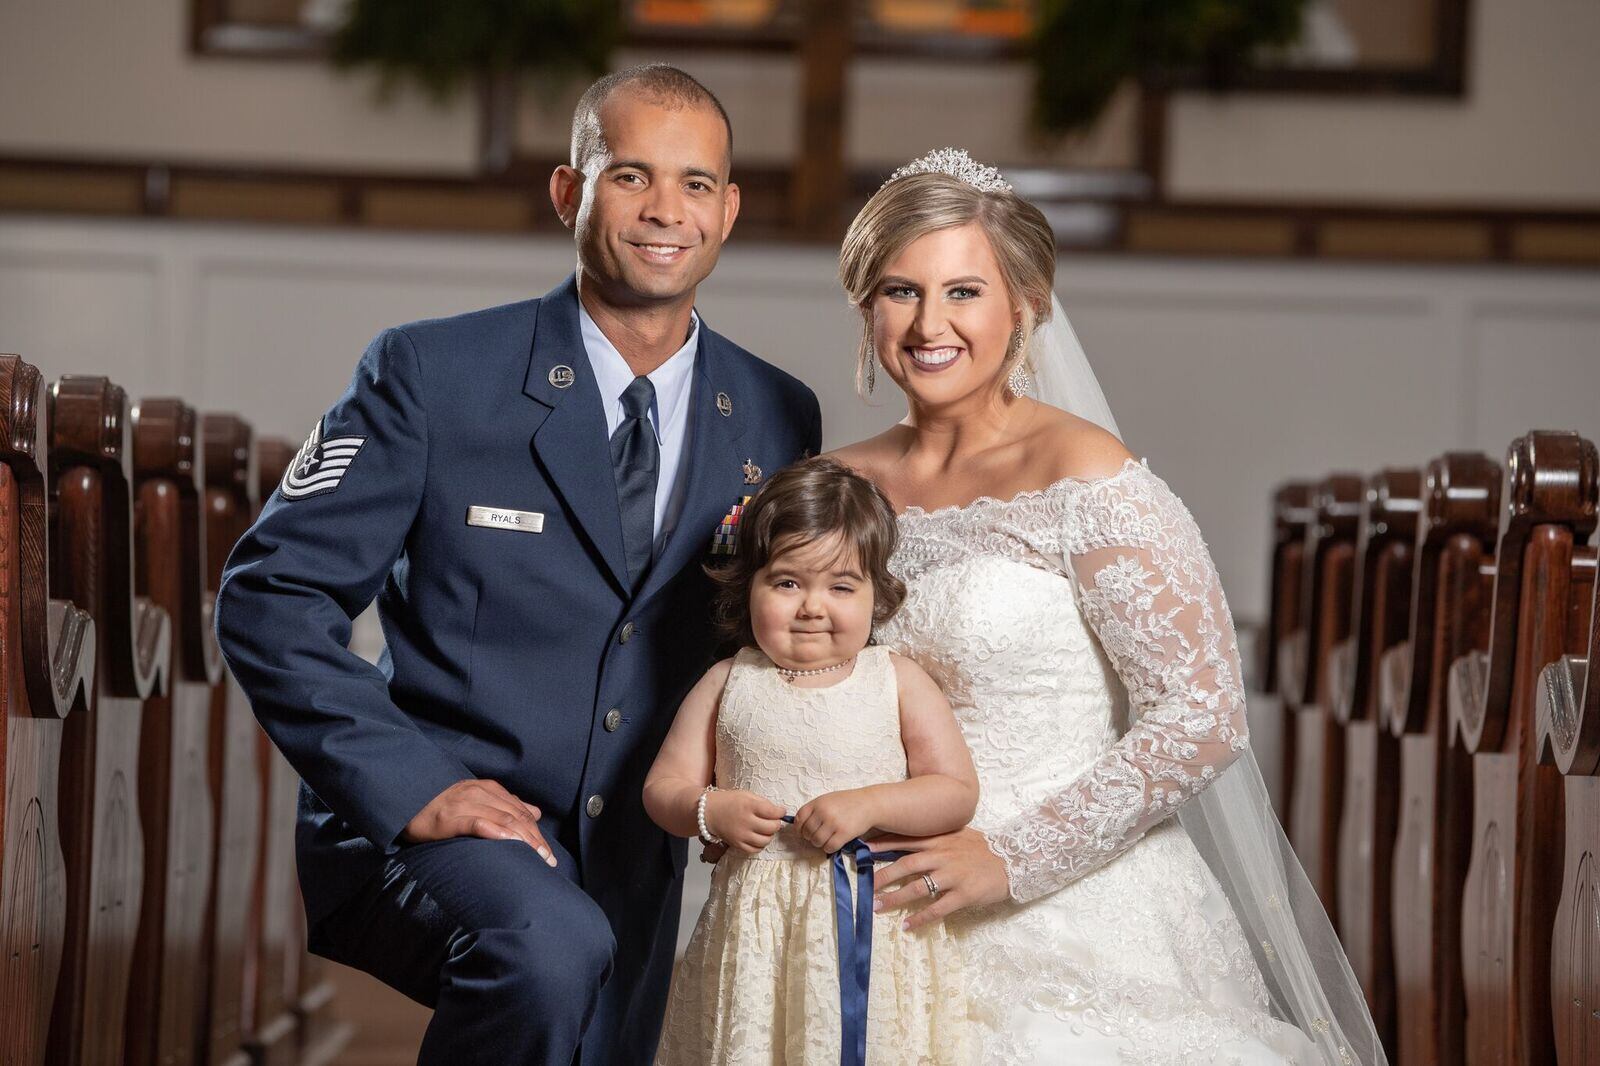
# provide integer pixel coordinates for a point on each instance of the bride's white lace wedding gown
(1081, 635)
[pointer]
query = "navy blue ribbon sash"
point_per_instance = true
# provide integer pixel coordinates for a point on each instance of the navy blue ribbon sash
(854, 925)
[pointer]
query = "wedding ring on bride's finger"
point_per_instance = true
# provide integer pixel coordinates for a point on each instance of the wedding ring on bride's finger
(933, 886)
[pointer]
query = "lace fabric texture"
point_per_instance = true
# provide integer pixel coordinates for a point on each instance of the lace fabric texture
(759, 981)
(1149, 591)
(1081, 634)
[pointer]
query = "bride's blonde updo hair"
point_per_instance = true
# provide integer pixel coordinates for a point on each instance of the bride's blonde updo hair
(910, 207)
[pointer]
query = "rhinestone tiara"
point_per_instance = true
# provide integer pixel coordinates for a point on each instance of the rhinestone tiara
(957, 164)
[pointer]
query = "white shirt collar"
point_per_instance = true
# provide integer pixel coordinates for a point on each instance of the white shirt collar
(613, 375)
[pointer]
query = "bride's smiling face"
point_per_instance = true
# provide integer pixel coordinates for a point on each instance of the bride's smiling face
(942, 319)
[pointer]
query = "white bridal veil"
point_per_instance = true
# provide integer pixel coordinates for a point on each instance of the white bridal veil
(1232, 823)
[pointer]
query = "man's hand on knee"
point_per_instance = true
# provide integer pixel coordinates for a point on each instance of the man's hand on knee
(478, 809)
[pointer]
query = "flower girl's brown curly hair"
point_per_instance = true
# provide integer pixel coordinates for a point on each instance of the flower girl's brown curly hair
(805, 502)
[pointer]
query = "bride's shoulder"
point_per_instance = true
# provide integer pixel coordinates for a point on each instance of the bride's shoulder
(1076, 448)
(873, 456)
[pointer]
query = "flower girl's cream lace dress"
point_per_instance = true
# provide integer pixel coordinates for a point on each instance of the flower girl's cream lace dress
(758, 984)
(1050, 620)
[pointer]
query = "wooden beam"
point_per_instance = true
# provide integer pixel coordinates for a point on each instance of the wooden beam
(515, 202)
(820, 178)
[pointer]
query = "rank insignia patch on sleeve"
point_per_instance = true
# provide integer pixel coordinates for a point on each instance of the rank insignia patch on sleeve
(320, 465)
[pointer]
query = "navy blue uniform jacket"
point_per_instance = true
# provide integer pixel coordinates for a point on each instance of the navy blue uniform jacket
(505, 649)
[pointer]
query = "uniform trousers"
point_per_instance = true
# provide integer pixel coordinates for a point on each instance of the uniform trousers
(509, 952)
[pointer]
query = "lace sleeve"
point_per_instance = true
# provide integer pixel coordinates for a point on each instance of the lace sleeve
(1149, 590)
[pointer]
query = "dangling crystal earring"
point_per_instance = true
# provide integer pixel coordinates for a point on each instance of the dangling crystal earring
(872, 367)
(1019, 381)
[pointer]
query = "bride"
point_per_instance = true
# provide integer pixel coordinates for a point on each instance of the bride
(1064, 600)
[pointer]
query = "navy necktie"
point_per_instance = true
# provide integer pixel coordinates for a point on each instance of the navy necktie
(636, 459)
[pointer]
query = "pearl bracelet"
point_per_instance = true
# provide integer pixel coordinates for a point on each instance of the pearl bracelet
(700, 817)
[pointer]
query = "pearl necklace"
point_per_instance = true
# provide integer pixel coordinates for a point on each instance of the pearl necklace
(789, 675)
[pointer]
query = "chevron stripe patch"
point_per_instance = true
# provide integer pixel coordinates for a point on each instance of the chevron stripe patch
(320, 465)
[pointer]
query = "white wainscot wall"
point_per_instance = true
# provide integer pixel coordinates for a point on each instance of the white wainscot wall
(1228, 376)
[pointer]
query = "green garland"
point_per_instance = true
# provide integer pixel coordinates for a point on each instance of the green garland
(440, 43)
(1084, 49)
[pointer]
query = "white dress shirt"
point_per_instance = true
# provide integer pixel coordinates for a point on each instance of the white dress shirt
(669, 412)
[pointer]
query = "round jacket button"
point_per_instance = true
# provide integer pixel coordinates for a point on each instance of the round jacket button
(613, 719)
(626, 634)
(595, 806)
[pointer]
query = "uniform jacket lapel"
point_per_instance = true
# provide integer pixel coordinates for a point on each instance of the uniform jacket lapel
(571, 443)
(712, 465)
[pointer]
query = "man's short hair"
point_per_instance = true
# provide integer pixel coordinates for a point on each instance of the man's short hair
(660, 83)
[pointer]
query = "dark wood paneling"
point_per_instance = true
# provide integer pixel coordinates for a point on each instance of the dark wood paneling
(1385, 551)
(91, 477)
(46, 659)
(166, 997)
(1508, 909)
(235, 779)
(1569, 736)
(276, 936)
(1461, 511)
(1319, 737)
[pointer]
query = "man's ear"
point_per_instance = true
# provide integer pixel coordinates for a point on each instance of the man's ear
(730, 209)
(566, 193)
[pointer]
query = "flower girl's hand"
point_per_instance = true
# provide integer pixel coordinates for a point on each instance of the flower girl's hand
(745, 820)
(833, 820)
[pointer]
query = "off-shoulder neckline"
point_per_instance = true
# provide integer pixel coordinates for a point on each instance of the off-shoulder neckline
(1128, 464)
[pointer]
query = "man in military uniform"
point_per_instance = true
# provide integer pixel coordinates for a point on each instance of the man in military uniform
(530, 493)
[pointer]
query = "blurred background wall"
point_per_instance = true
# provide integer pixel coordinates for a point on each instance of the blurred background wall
(1380, 243)
(1229, 370)
(103, 78)
(1229, 376)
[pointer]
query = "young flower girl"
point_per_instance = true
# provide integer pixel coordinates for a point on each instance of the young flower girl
(810, 718)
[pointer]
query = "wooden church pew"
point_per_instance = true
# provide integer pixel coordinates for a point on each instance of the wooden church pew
(1291, 513)
(321, 1035)
(91, 474)
(234, 777)
(275, 935)
(1460, 516)
(1381, 611)
(1508, 909)
(166, 997)
(1569, 736)
(1329, 568)
(47, 652)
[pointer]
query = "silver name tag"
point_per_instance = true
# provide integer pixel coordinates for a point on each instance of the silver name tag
(498, 518)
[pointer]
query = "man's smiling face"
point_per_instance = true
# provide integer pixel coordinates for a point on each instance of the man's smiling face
(657, 203)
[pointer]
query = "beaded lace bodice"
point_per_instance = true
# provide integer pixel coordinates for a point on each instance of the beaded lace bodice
(1082, 741)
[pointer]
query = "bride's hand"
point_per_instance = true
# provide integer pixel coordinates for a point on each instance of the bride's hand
(966, 872)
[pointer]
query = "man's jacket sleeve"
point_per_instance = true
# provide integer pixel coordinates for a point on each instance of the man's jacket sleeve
(319, 553)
